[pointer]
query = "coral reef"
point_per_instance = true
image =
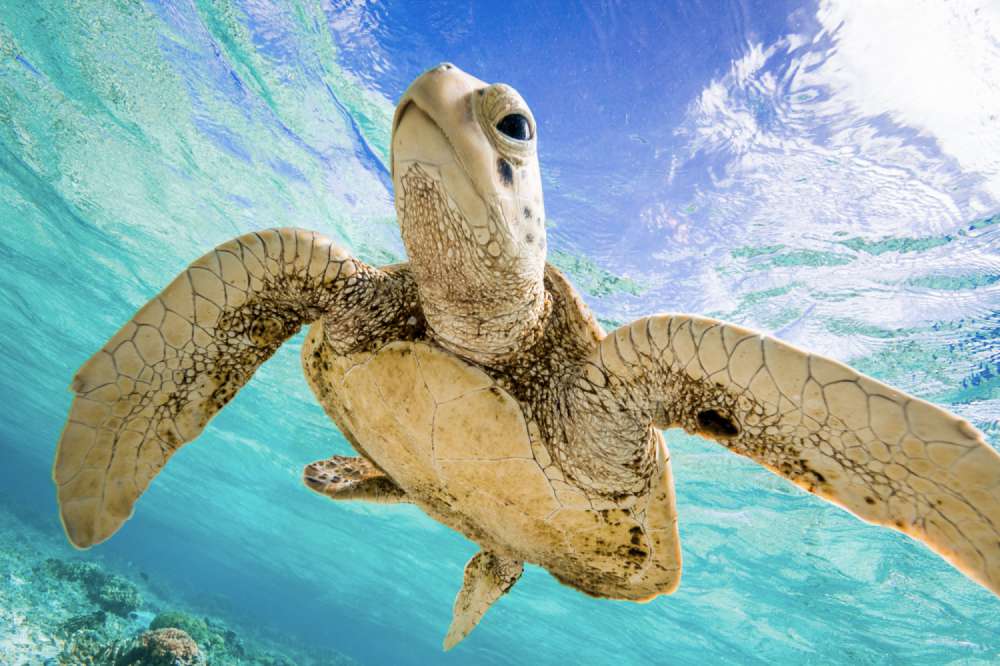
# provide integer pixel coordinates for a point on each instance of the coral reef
(215, 639)
(58, 611)
(158, 647)
(86, 648)
(94, 622)
(109, 591)
(117, 595)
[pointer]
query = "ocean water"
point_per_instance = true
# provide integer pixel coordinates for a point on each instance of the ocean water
(828, 172)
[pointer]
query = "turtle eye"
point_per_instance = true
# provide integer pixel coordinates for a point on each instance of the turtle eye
(515, 126)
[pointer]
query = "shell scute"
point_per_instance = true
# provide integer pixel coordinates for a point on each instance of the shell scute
(405, 394)
(485, 425)
(375, 423)
(448, 378)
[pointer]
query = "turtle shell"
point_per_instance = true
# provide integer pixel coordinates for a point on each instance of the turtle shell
(461, 448)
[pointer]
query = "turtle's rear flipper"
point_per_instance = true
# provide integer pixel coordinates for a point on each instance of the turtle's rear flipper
(351, 478)
(488, 577)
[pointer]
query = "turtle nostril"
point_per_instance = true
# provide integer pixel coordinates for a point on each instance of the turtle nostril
(446, 66)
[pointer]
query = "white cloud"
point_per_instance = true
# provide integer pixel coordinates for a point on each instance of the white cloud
(932, 65)
(884, 121)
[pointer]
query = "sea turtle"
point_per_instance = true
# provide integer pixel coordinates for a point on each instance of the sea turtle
(474, 383)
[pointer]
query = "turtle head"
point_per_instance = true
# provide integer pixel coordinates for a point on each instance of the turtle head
(469, 202)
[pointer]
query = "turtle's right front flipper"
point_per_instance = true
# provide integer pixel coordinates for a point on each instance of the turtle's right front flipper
(186, 353)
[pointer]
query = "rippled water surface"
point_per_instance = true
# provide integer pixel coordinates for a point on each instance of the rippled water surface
(826, 172)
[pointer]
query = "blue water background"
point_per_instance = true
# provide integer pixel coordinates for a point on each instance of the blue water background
(697, 157)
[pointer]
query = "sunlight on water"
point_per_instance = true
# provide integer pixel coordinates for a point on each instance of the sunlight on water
(829, 173)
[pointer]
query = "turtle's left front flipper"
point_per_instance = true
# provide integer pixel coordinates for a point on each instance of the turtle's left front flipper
(488, 576)
(186, 353)
(885, 456)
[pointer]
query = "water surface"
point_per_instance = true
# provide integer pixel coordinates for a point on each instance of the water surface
(827, 172)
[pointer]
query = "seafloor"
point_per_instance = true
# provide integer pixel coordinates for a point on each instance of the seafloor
(56, 609)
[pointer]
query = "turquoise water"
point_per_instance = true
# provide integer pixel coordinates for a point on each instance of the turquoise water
(774, 180)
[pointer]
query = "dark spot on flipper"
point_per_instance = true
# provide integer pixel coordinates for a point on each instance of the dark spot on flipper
(527, 212)
(506, 171)
(869, 500)
(713, 423)
(529, 239)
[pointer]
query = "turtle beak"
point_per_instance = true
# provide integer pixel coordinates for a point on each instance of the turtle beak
(444, 95)
(419, 82)
(404, 105)
(418, 138)
(406, 101)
